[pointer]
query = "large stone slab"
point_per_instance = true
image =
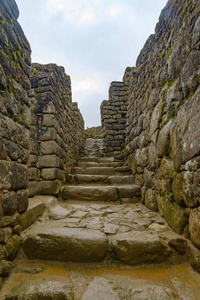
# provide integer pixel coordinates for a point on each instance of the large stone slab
(31, 215)
(99, 288)
(174, 214)
(41, 290)
(100, 170)
(194, 226)
(129, 191)
(104, 179)
(66, 244)
(90, 193)
(140, 247)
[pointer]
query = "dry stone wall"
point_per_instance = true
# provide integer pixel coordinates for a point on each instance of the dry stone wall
(15, 120)
(41, 130)
(113, 118)
(163, 119)
(57, 129)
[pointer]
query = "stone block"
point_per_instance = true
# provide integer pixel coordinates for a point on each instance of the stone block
(194, 257)
(31, 215)
(49, 161)
(33, 188)
(12, 246)
(50, 147)
(49, 187)
(22, 199)
(46, 107)
(13, 175)
(174, 214)
(9, 203)
(34, 147)
(52, 174)
(47, 134)
(5, 234)
(135, 248)
(151, 199)
(67, 244)
(34, 174)
(48, 120)
(194, 226)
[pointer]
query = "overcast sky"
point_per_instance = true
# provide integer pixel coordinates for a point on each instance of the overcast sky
(95, 40)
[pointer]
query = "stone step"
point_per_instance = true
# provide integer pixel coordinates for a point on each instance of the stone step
(129, 192)
(66, 244)
(100, 179)
(55, 241)
(36, 208)
(95, 159)
(101, 170)
(99, 164)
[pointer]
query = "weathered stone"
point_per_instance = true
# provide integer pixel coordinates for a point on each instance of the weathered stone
(46, 134)
(173, 213)
(151, 292)
(22, 199)
(90, 193)
(63, 244)
(9, 203)
(140, 247)
(33, 174)
(163, 180)
(186, 189)
(31, 215)
(48, 161)
(101, 287)
(194, 257)
(5, 234)
(130, 191)
(12, 247)
(151, 199)
(164, 140)
(13, 175)
(52, 174)
(50, 147)
(49, 187)
(5, 268)
(194, 226)
(39, 289)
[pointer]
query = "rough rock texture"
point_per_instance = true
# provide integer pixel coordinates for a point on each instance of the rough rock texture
(94, 132)
(163, 132)
(42, 290)
(63, 244)
(113, 117)
(37, 117)
(57, 129)
(15, 119)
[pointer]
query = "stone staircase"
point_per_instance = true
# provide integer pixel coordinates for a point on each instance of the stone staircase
(101, 179)
(99, 242)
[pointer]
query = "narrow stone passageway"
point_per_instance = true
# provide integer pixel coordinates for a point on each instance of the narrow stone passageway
(98, 241)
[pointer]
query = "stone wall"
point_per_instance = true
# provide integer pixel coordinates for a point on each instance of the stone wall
(163, 132)
(113, 118)
(57, 131)
(15, 119)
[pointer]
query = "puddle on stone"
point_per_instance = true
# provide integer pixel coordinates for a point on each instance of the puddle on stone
(181, 277)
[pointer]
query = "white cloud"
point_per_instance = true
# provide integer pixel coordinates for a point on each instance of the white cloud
(88, 16)
(79, 12)
(85, 12)
(115, 10)
(85, 84)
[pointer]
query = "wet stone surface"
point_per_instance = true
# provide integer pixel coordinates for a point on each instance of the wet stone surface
(97, 232)
(42, 281)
